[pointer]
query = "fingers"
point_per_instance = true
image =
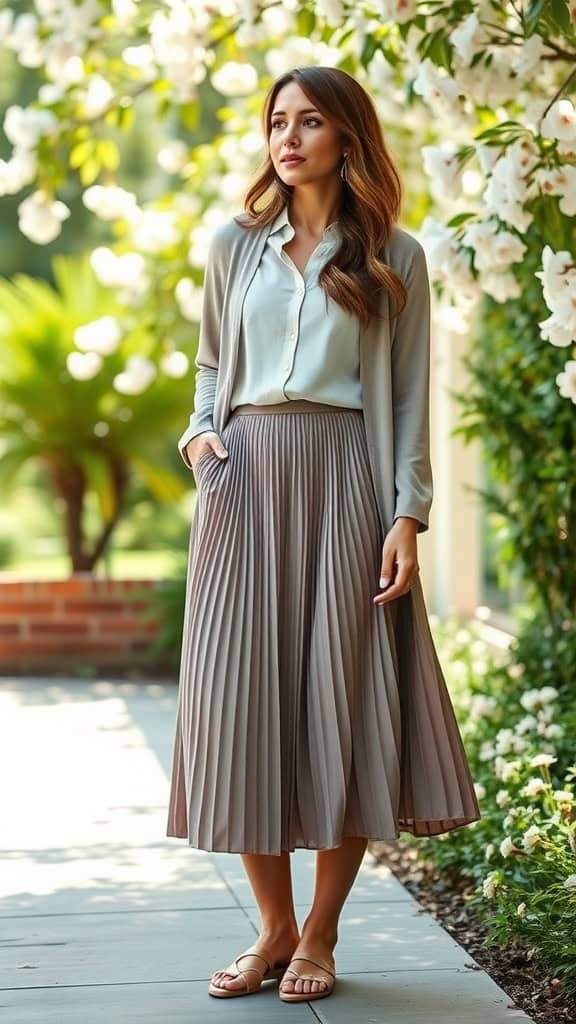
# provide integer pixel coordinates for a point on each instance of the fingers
(195, 449)
(407, 572)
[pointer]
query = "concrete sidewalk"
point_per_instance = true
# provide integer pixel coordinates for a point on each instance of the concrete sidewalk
(103, 919)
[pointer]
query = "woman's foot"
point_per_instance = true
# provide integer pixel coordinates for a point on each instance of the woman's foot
(319, 947)
(276, 950)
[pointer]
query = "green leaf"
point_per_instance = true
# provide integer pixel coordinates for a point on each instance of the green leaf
(368, 50)
(89, 171)
(532, 15)
(305, 21)
(558, 12)
(108, 153)
(458, 219)
(81, 152)
(163, 484)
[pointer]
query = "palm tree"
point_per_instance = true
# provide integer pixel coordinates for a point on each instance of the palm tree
(88, 437)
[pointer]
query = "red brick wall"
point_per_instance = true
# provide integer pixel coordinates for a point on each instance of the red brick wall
(77, 623)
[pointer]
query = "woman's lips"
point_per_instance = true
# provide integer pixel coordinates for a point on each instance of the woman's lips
(293, 160)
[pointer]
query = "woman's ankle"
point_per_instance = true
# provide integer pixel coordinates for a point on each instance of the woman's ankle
(325, 932)
(274, 933)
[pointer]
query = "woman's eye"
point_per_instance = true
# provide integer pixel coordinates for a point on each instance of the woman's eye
(276, 124)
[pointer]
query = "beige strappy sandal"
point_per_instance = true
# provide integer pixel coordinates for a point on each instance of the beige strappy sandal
(306, 997)
(271, 972)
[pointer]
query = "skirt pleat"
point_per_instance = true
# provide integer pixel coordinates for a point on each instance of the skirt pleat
(296, 724)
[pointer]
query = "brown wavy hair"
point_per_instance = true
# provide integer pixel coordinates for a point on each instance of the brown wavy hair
(369, 201)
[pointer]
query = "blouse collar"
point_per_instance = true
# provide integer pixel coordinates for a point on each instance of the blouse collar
(282, 223)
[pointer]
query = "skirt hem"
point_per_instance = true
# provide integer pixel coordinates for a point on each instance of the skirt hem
(428, 829)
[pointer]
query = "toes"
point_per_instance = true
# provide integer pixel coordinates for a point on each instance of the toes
(223, 980)
(304, 985)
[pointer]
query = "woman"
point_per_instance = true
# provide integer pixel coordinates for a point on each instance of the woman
(312, 708)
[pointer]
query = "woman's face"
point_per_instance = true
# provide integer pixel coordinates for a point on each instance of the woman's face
(298, 128)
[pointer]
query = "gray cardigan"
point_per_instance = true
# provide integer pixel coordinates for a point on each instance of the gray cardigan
(394, 366)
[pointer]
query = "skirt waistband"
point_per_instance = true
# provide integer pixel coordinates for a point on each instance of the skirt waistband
(293, 405)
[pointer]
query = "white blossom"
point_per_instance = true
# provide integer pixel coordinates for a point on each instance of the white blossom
(558, 276)
(174, 364)
(126, 272)
(103, 336)
(125, 13)
(189, 299)
(526, 724)
(97, 96)
(503, 798)
(23, 126)
(469, 38)
(487, 751)
(137, 375)
(179, 38)
(504, 741)
(507, 846)
(490, 884)
(494, 250)
(509, 186)
(563, 796)
(531, 699)
(570, 882)
(51, 92)
(566, 380)
(173, 156)
(23, 38)
(109, 202)
(559, 181)
(437, 88)
(505, 770)
(40, 218)
(534, 786)
(553, 731)
(142, 58)
(560, 121)
(152, 230)
(83, 365)
(487, 156)
(331, 10)
(527, 58)
(18, 171)
(522, 910)
(235, 79)
(542, 760)
(548, 694)
(531, 837)
(442, 167)
(398, 10)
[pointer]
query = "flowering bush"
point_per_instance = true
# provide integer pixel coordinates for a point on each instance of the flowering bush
(519, 739)
(491, 76)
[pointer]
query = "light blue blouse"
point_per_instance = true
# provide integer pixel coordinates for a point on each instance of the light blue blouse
(296, 341)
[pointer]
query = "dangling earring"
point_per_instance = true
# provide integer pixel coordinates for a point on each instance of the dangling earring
(344, 169)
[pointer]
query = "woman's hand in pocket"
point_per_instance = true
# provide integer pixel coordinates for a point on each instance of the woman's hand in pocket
(209, 440)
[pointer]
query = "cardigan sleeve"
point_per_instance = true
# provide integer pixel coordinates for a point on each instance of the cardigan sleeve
(207, 355)
(411, 396)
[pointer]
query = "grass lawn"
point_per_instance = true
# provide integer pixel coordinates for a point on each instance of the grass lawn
(119, 565)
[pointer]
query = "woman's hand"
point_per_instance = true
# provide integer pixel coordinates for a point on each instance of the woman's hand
(400, 550)
(201, 443)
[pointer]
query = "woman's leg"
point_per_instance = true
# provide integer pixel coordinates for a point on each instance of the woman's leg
(271, 882)
(336, 871)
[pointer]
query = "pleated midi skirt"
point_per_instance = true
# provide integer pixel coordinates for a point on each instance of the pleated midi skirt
(289, 723)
